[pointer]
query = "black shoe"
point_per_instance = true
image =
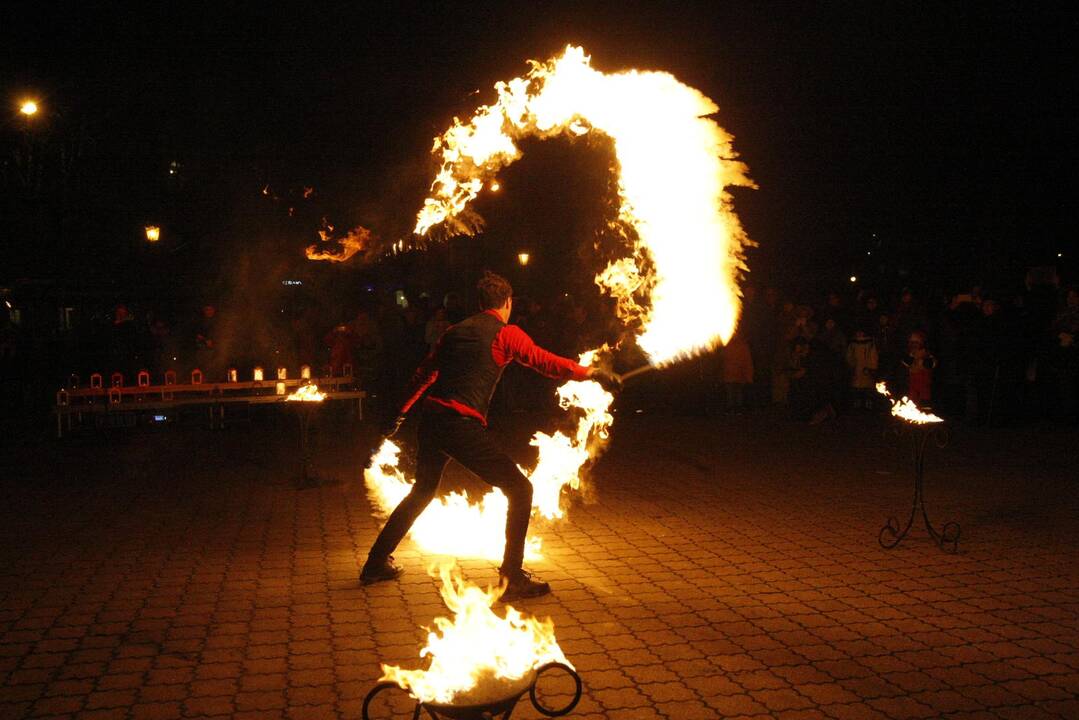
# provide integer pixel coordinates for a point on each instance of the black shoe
(520, 585)
(378, 570)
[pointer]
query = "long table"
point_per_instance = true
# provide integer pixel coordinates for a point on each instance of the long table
(72, 404)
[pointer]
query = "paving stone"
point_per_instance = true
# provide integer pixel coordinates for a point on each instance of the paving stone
(758, 592)
(732, 705)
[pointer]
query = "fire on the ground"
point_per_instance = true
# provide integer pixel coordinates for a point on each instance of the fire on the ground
(476, 656)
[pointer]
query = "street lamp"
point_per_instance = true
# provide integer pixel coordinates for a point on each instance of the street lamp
(153, 233)
(522, 258)
(28, 108)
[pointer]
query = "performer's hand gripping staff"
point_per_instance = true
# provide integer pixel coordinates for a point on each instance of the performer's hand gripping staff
(611, 381)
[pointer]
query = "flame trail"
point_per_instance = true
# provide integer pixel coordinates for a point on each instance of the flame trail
(561, 456)
(674, 166)
(451, 525)
(477, 656)
(357, 239)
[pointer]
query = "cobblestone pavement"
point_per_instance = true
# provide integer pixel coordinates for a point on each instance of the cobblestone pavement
(721, 568)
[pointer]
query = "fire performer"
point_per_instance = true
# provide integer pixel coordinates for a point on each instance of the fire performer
(461, 374)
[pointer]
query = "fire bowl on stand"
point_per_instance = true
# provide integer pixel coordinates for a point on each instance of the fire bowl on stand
(305, 400)
(947, 538)
(501, 707)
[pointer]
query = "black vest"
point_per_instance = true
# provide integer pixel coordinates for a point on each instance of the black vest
(467, 372)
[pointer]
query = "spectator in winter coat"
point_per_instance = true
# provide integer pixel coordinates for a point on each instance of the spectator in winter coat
(863, 360)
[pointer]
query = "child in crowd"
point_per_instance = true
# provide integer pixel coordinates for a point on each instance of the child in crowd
(919, 364)
(863, 359)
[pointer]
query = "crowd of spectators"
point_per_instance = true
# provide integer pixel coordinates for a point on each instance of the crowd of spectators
(381, 340)
(978, 357)
(973, 356)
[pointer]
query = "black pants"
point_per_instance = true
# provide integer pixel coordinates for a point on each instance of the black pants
(447, 435)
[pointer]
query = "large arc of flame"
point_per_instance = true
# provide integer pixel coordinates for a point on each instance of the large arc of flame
(677, 290)
(674, 166)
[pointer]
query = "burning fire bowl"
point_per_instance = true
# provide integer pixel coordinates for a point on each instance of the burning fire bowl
(500, 708)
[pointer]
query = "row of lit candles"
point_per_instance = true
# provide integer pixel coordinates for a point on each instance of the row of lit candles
(282, 373)
(258, 375)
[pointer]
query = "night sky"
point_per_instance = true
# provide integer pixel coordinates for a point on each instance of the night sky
(944, 140)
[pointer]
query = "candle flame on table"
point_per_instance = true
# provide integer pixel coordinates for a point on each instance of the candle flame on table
(307, 393)
(673, 167)
(476, 656)
(905, 408)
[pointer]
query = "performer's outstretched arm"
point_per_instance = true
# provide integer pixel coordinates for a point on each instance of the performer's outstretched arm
(513, 344)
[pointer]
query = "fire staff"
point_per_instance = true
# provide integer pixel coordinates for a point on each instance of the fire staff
(459, 377)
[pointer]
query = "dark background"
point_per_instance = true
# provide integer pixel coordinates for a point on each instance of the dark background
(939, 140)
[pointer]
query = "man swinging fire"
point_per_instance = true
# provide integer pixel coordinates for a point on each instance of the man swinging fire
(461, 374)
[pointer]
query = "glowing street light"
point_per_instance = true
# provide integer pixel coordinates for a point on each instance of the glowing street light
(153, 233)
(522, 258)
(28, 108)
(495, 187)
(854, 278)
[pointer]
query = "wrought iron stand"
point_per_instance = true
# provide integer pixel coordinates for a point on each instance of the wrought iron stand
(948, 535)
(501, 709)
(304, 411)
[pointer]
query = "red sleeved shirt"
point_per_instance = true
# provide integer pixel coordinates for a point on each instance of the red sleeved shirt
(510, 344)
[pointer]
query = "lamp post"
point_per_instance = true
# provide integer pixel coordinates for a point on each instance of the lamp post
(525, 281)
(28, 108)
(153, 233)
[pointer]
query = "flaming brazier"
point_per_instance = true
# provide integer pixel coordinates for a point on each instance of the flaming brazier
(948, 535)
(501, 708)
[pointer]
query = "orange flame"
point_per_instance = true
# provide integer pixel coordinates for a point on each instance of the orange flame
(905, 409)
(357, 239)
(673, 166)
(477, 657)
(307, 393)
(452, 524)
